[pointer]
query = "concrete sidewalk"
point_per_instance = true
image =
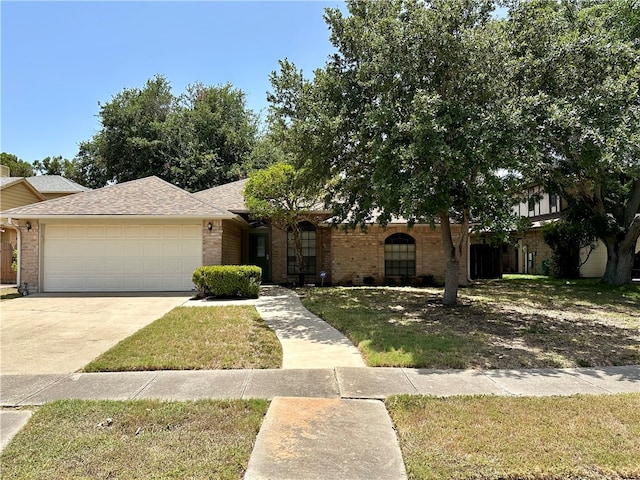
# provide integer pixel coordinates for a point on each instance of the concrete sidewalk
(324, 423)
(335, 383)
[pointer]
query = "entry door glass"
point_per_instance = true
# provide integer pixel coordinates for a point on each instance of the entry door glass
(259, 253)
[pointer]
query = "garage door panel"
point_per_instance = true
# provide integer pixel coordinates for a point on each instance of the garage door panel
(95, 232)
(174, 232)
(132, 231)
(114, 267)
(116, 247)
(121, 257)
(152, 231)
(95, 265)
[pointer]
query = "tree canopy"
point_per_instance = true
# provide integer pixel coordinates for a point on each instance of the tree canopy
(576, 66)
(197, 140)
(17, 167)
(409, 118)
(282, 195)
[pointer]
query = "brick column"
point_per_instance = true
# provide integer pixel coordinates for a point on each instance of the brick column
(29, 254)
(212, 242)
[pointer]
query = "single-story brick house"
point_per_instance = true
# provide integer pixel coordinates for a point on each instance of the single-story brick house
(149, 235)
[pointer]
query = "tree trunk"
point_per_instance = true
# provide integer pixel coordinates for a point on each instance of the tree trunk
(620, 255)
(297, 239)
(450, 296)
(619, 264)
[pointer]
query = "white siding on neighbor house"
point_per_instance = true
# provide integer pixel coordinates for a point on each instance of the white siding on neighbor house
(545, 206)
(597, 262)
(120, 257)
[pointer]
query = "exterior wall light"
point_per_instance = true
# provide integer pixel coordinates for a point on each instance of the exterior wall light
(28, 224)
(210, 226)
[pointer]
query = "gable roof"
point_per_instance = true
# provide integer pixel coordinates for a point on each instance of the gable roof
(146, 197)
(55, 184)
(6, 182)
(229, 196)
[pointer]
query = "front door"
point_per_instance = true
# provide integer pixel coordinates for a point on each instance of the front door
(259, 253)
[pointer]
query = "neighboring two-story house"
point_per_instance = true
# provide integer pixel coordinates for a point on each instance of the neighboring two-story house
(530, 250)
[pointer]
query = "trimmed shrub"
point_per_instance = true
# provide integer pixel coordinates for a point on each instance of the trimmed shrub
(228, 281)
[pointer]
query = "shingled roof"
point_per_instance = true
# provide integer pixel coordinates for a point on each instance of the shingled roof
(147, 197)
(229, 196)
(6, 182)
(55, 184)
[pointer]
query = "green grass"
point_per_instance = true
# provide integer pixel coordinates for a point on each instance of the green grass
(517, 322)
(196, 338)
(580, 437)
(8, 293)
(146, 440)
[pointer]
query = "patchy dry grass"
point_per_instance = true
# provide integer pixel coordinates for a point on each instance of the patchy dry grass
(8, 293)
(580, 437)
(510, 323)
(143, 440)
(196, 338)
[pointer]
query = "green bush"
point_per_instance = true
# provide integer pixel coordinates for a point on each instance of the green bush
(228, 281)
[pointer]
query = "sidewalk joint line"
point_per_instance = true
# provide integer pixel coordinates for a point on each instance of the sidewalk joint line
(508, 392)
(24, 400)
(145, 386)
(575, 375)
(245, 384)
(337, 380)
(415, 388)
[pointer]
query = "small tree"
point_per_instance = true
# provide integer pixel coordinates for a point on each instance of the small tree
(567, 239)
(283, 195)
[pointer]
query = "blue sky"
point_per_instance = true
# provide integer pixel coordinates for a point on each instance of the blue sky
(59, 59)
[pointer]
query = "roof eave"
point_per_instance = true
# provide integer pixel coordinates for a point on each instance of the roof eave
(126, 216)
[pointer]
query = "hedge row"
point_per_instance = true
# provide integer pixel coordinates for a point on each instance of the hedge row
(228, 281)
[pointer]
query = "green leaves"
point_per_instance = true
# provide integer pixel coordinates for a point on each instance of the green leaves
(576, 67)
(197, 140)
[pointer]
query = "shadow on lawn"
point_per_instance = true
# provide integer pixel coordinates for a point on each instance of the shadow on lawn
(486, 335)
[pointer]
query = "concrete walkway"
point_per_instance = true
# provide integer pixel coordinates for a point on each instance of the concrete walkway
(326, 420)
(307, 341)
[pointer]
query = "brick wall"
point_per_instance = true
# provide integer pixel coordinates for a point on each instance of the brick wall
(356, 255)
(278, 255)
(231, 243)
(212, 242)
(532, 242)
(30, 255)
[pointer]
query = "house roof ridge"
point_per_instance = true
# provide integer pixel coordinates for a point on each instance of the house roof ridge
(52, 184)
(148, 196)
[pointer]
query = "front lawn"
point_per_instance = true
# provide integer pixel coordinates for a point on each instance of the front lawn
(517, 322)
(73, 439)
(196, 338)
(8, 293)
(580, 437)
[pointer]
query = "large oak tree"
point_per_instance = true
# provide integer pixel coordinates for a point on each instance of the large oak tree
(577, 68)
(197, 140)
(408, 119)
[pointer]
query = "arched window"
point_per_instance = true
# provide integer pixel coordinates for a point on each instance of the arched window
(400, 255)
(308, 238)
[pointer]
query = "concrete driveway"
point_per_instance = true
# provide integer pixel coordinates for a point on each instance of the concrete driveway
(61, 333)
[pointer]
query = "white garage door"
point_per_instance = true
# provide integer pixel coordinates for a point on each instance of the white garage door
(119, 258)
